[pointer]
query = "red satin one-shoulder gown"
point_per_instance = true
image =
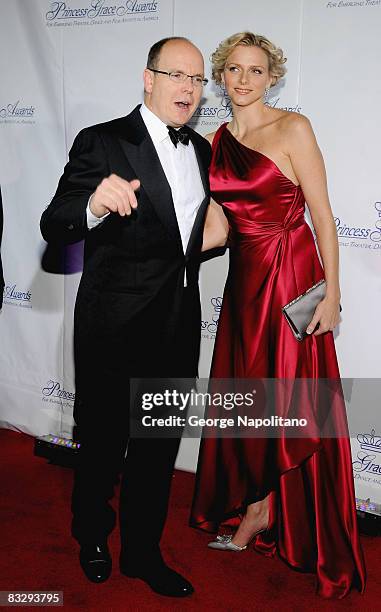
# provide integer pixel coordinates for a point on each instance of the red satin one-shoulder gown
(273, 259)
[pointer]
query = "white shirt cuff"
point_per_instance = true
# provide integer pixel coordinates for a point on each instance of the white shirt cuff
(92, 220)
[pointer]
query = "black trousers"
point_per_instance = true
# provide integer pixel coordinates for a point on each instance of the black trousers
(146, 465)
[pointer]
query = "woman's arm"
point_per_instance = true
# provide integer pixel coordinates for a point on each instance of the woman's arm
(216, 227)
(308, 165)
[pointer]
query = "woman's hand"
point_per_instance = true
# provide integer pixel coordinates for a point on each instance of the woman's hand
(327, 315)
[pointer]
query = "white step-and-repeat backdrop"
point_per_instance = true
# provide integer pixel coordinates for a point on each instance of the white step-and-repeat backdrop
(68, 64)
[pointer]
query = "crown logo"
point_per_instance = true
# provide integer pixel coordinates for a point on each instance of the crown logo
(370, 442)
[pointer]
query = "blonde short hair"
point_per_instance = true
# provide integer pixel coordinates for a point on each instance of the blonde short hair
(225, 48)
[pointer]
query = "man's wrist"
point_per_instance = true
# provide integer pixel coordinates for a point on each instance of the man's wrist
(94, 212)
(92, 219)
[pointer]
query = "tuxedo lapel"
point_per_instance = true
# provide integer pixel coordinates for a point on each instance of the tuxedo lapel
(143, 158)
(199, 220)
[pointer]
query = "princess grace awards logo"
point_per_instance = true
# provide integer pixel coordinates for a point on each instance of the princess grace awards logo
(209, 327)
(100, 12)
(368, 460)
(359, 236)
(213, 115)
(53, 392)
(17, 112)
(13, 296)
(367, 467)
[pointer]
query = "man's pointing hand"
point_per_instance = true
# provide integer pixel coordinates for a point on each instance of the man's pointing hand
(114, 194)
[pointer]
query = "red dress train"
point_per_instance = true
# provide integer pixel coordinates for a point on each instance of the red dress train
(273, 259)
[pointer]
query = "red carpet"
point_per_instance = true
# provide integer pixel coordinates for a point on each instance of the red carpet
(37, 552)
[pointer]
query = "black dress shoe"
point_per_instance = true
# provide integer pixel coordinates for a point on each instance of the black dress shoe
(95, 561)
(161, 578)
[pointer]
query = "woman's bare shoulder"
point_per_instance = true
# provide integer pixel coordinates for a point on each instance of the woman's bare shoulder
(297, 134)
(292, 121)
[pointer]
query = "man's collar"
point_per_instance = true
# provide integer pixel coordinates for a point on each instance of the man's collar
(155, 126)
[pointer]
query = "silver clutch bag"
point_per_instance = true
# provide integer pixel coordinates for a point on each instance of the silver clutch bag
(299, 311)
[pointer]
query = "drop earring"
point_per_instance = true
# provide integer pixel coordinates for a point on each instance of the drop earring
(266, 95)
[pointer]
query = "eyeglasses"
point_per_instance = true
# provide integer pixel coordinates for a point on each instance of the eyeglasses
(181, 77)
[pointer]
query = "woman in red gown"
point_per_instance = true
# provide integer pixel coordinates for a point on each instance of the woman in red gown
(295, 496)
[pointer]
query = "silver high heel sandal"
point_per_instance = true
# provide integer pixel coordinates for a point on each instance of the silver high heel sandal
(224, 542)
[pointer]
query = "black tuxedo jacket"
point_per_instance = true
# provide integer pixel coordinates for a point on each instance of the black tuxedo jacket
(131, 292)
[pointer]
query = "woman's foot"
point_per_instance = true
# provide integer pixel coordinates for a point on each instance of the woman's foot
(255, 520)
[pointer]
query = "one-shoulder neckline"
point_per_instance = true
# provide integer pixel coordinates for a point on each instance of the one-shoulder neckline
(255, 151)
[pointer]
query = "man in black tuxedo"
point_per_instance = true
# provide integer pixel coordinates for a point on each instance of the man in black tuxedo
(136, 189)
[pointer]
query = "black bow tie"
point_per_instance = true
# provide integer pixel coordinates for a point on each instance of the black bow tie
(181, 135)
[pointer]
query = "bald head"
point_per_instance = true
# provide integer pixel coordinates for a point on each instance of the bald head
(155, 50)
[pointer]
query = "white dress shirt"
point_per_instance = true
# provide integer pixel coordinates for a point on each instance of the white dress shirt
(182, 171)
